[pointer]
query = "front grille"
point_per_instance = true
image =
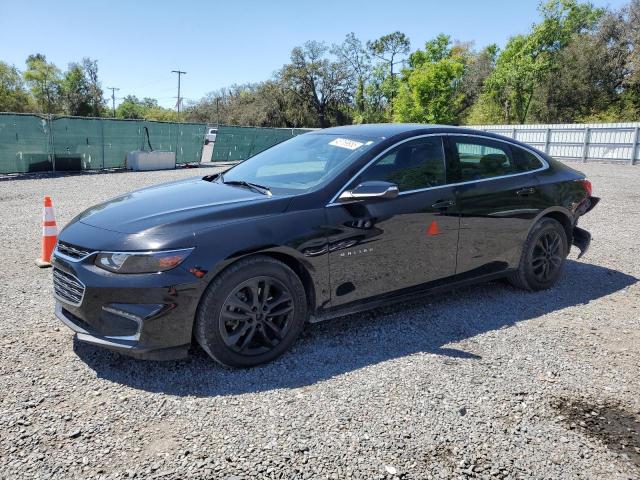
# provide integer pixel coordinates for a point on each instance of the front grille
(73, 251)
(67, 288)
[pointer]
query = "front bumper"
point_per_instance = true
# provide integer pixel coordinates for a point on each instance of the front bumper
(146, 316)
(119, 344)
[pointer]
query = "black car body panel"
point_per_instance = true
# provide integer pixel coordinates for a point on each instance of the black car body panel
(349, 256)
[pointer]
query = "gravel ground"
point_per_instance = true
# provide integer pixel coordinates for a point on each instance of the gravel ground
(483, 382)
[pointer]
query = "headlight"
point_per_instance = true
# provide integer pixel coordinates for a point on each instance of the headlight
(141, 262)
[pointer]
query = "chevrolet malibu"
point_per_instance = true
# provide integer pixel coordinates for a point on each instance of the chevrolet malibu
(328, 223)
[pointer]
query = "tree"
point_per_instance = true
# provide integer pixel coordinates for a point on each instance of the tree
(587, 78)
(527, 60)
(358, 61)
(631, 83)
(90, 69)
(44, 80)
(320, 83)
(430, 88)
(388, 48)
(147, 108)
(13, 95)
(478, 68)
(130, 107)
(75, 91)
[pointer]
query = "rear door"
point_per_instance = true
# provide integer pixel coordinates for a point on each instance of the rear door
(497, 197)
(379, 246)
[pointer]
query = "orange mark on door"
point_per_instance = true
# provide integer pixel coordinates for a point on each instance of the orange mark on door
(433, 229)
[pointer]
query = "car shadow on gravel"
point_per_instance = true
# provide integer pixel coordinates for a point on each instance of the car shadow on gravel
(350, 343)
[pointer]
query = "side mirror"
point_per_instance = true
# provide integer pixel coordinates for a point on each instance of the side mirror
(368, 190)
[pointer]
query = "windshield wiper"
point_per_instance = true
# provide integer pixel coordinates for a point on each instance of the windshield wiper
(253, 186)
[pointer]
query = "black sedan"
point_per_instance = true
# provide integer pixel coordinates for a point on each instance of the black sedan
(328, 223)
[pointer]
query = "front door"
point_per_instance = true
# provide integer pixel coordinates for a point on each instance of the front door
(382, 245)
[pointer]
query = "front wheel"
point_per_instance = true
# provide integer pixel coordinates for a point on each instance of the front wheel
(251, 313)
(543, 256)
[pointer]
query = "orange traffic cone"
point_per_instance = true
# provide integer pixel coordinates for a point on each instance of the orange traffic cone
(49, 234)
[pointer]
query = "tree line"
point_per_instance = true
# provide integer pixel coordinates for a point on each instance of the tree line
(577, 63)
(43, 88)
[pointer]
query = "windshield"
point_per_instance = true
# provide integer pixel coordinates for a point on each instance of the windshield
(300, 163)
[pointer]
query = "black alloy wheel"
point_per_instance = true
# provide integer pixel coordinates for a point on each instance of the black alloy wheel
(251, 312)
(543, 256)
(546, 258)
(256, 316)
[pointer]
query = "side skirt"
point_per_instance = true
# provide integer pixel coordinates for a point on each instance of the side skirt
(404, 296)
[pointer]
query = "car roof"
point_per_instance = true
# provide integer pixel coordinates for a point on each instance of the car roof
(389, 130)
(386, 130)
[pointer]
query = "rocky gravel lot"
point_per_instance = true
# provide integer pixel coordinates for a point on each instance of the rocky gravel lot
(483, 382)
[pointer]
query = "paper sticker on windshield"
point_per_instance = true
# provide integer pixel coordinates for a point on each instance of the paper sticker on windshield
(345, 143)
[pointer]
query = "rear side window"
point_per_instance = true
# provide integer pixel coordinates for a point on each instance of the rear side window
(481, 158)
(525, 160)
(413, 165)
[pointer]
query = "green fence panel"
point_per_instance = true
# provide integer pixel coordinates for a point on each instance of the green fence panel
(77, 143)
(190, 141)
(239, 143)
(119, 138)
(162, 136)
(24, 144)
(185, 139)
(30, 143)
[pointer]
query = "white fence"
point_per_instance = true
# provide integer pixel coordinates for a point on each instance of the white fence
(608, 142)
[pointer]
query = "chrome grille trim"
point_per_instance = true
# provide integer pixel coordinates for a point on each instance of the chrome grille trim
(72, 252)
(67, 288)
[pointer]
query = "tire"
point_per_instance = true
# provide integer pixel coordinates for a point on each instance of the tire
(238, 325)
(547, 248)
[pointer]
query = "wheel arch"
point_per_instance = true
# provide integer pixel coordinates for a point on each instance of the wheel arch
(561, 215)
(287, 256)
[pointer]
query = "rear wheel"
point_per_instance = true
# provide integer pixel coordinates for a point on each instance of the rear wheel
(543, 256)
(251, 313)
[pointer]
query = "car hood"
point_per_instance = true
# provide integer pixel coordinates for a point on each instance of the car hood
(187, 206)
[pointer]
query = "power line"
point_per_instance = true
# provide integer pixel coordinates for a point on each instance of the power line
(180, 73)
(113, 98)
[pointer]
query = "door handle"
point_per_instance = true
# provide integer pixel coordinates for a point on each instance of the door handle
(444, 204)
(525, 191)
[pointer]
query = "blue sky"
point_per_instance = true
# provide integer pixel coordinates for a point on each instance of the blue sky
(138, 43)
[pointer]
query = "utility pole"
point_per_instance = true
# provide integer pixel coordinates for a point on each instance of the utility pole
(180, 73)
(113, 99)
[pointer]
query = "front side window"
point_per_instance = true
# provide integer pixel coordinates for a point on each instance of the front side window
(483, 159)
(413, 165)
(302, 162)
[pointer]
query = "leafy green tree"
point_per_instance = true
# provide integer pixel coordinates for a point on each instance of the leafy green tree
(319, 82)
(358, 61)
(587, 78)
(132, 107)
(631, 85)
(391, 49)
(44, 80)
(96, 95)
(478, 67)
(430, 88)
(527, 60)
(75, 91)
(13, 95)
